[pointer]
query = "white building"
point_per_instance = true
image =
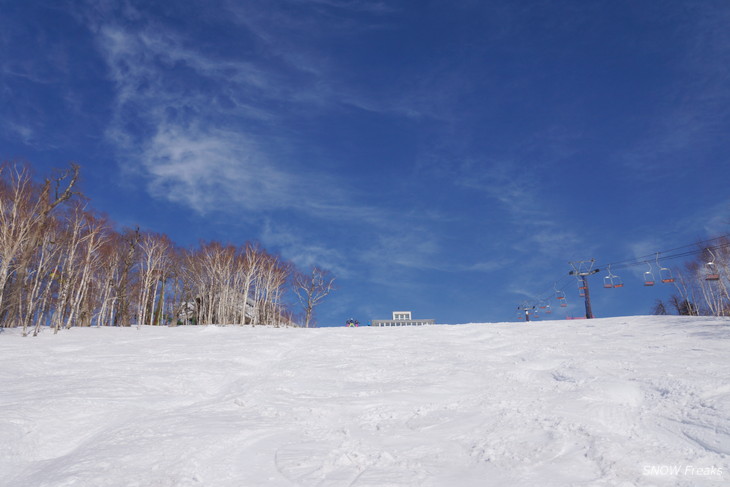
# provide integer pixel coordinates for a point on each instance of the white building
(402, 318)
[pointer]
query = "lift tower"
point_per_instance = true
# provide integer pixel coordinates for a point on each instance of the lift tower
(527, 309)
(582, 269)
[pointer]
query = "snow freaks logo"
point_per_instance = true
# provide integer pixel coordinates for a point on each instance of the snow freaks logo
(683, 470)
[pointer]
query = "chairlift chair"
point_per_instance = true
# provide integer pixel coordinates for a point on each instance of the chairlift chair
(712, 274)
(608, 282)
(617, 282)
(665, 275)
(648, 277)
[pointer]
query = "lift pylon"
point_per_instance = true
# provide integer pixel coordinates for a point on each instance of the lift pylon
(524, 310)
(582, 269)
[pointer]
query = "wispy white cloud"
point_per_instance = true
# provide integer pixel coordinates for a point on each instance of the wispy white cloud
(410, 249)
(199, 167)
(182, 140)
(485, 266)
(239, 158)
(530, 218)
(24, 132)
(504, 182)
(352, 5)
(718, 220)
(304, 252)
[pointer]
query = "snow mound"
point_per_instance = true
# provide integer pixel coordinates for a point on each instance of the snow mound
(607, 402)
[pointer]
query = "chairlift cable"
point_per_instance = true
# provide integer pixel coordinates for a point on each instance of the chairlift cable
(642, 259)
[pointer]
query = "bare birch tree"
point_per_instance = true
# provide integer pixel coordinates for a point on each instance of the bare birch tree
(153, 269)
(25, 209)
(125, 278)
(273, 275)
(311, 289)
(93, 237)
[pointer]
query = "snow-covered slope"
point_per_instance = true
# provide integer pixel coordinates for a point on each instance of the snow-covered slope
(614, 402)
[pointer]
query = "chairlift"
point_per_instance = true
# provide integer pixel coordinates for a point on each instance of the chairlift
(648, 276)
(711, 272)
(548, 309)
(558, 293)
(581, 287)
(665, 274)
(612, 280)
(563, 303)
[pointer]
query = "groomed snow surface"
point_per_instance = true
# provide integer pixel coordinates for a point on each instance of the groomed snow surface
(607, 402)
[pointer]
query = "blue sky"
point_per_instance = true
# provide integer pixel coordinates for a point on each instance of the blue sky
(444, 157)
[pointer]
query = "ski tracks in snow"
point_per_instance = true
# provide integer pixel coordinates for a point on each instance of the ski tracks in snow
(550, 404)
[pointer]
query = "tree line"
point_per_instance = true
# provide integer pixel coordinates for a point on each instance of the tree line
(64, 265)
(703, 284)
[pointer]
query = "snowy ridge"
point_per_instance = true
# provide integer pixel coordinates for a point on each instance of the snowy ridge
(608, 402)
